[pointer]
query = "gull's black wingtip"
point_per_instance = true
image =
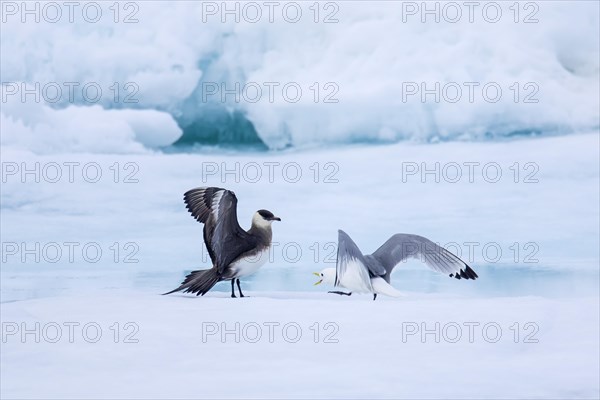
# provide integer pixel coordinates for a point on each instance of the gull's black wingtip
(470, 273)
(467, 273)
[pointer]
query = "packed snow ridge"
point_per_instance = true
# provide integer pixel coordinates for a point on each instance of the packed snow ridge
(275, 79)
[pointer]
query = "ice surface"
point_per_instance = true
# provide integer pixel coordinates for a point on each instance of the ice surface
(556, 290)
(361, 354)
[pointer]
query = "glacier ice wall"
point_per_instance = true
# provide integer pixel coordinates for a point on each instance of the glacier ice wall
(181, 63)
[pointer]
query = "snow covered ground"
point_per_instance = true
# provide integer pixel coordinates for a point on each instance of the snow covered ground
(540, 292)
(299, 345)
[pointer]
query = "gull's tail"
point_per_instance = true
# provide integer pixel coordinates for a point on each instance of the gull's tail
(198, 282)
(380, 286)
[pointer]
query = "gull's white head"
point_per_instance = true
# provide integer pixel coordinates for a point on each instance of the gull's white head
(326, 276)
(264, 218)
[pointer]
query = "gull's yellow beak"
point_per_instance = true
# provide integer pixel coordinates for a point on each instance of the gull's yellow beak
(319, 275)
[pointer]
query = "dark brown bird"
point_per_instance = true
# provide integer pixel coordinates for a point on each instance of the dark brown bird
(234, 252)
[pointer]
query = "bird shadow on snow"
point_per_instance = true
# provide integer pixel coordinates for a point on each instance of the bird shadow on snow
(298, 296)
